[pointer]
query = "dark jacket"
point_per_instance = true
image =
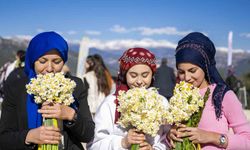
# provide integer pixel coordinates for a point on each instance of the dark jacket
(165, 80)
(14, 122)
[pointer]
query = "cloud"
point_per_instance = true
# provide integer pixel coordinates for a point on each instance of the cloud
(91, 32)
(128, 43)
(247, 35)
(119, 29)
(225, 49)
(123, 44)
(161, 31)
(150, 31)
(20, 37)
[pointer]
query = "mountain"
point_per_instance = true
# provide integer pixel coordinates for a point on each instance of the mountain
(8, 47)
(241, 60)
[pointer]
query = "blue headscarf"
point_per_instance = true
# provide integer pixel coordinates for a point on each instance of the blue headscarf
(198, 49)
(38, 46)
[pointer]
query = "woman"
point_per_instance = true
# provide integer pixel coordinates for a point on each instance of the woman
(111, 84)
(97, 81)
(195, 61)
(137, 67)
(21, 122)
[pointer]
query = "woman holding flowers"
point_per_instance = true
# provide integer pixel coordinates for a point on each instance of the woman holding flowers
(137, 67)
(21, 121)
(195, 62)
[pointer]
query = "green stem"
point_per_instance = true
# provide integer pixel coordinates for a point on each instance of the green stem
(135, 147)
(49, 122)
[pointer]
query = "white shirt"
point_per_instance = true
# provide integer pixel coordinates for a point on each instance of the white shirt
(108, 135)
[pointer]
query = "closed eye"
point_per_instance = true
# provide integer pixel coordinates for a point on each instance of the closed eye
(145, 74)
(192, 70)
(42, 61)
(57, 61)
(133, 74)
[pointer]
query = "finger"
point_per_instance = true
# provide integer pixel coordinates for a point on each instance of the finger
(44, 115)
(47, 107)
(47, 103)
(181, 126)
(52, 141)
(183, 134)
(52, 128)
(46, 111)
(175, 138)
(172, 143)
(192, 138)
(136, 140)
(145, 146)
(142, 144)
(195, 141)
(53, 133)
(140, 139)
(186, 129)
(53, 136)
(57, 104)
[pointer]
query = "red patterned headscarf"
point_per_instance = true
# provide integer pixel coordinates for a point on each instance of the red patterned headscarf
(131, 57)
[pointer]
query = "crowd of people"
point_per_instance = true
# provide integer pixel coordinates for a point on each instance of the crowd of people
(93, 116)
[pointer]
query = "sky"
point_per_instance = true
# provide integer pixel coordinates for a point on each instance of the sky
(119, 24)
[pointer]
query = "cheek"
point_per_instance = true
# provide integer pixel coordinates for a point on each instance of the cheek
(181, 77)
(58, 67)
(148, 80)
(130, 80)
(38, 67)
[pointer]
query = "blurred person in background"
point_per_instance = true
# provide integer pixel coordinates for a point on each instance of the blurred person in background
(165, 79)
(111, 82)
(97, 81)
(8, 67)
(232, 81)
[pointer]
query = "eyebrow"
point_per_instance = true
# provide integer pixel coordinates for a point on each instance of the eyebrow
(59, 58)
(139, 73)
(192, 68)
(188, 69)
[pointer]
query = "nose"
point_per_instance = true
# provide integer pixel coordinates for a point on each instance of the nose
(187, 77)
(139, 82)
(49, 68)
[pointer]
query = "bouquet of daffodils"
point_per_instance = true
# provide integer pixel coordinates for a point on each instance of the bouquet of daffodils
(142, 109)
(186, 107)
(53, 88)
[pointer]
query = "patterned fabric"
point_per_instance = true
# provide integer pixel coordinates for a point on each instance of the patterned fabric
(198, 49)
(131, 57)
(135, 56)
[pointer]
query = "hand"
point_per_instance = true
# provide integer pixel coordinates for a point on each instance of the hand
(51, 110)
(44, 135)
(145, 146)
(133, 137)
(197, 135)
(173, 134)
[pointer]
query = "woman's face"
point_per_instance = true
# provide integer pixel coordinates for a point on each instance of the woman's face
(139, 75)
(192, 74)
(49, 62)
(86, 65)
